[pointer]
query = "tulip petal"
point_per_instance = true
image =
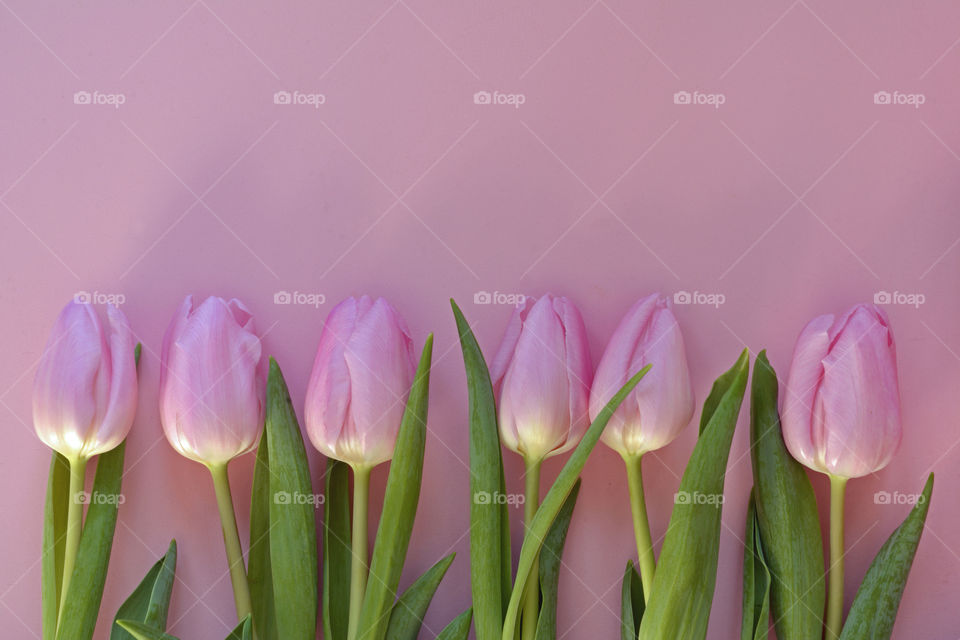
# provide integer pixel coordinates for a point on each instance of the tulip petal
(802, 425)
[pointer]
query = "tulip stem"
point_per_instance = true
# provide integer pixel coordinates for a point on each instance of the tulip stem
(231, 540)
(358, 569)
(835, 593)
(531, 606)
(641, 525)
(78, 472)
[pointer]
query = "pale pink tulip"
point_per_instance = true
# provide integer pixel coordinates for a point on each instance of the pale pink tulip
(85, 390)
(542, 373)
(662, 403)
(360, 382)
(841, 409)
(211, 381)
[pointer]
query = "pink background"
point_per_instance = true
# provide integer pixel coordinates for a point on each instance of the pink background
(797, 196)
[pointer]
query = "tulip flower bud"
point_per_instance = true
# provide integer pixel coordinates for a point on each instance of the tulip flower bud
(85, 390)
(361, 378)
(542, 372)
(662, 403)
(211, 382)
(841, 412)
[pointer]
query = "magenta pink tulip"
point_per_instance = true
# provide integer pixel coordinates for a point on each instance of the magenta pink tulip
(662, 404)
(85, 391)
(841, 412)
(361, 378)
(211, 381)
(542, 373)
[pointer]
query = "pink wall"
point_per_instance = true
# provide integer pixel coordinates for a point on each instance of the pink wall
(798, 195)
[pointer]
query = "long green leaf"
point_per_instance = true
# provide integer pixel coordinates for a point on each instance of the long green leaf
(550, 563)
(755, 616)
(54, 541)
(407, 614)
(81, 603)
(554, 500)
(399, 506)
(140, 631)
(631, 603)
(243, 630)
(150, 601)
(787, 516)
(490, 561)
(459, 627)
(682, 591)
(874, 609)
(293, 532)
(259, 573)
(336, 551)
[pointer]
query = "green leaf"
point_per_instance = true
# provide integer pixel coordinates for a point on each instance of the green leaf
(336, 551)
(459, 628)
(550, 564)
(682, 591)
(150, 601)
(54, 541)
(755, 618)
(293, 531)
(399, 506)
(490, 560)
(631, 603)
(554, 500)
(259, 574)
(787, 516)
(243, 630)
(407, 614)
(81, 604)
(140, 631)
(874, 609)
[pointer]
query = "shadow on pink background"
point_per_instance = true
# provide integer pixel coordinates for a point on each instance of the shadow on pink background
(800, 194)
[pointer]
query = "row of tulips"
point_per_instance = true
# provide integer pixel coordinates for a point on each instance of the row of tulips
(366, 404)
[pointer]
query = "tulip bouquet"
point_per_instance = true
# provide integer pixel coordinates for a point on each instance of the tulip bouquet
(366, 405)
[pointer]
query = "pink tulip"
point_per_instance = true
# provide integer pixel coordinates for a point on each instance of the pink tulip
(841, 413)
(543, 373)
(360, 381)
(211, 382)
(85, 391)
(662, 404)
